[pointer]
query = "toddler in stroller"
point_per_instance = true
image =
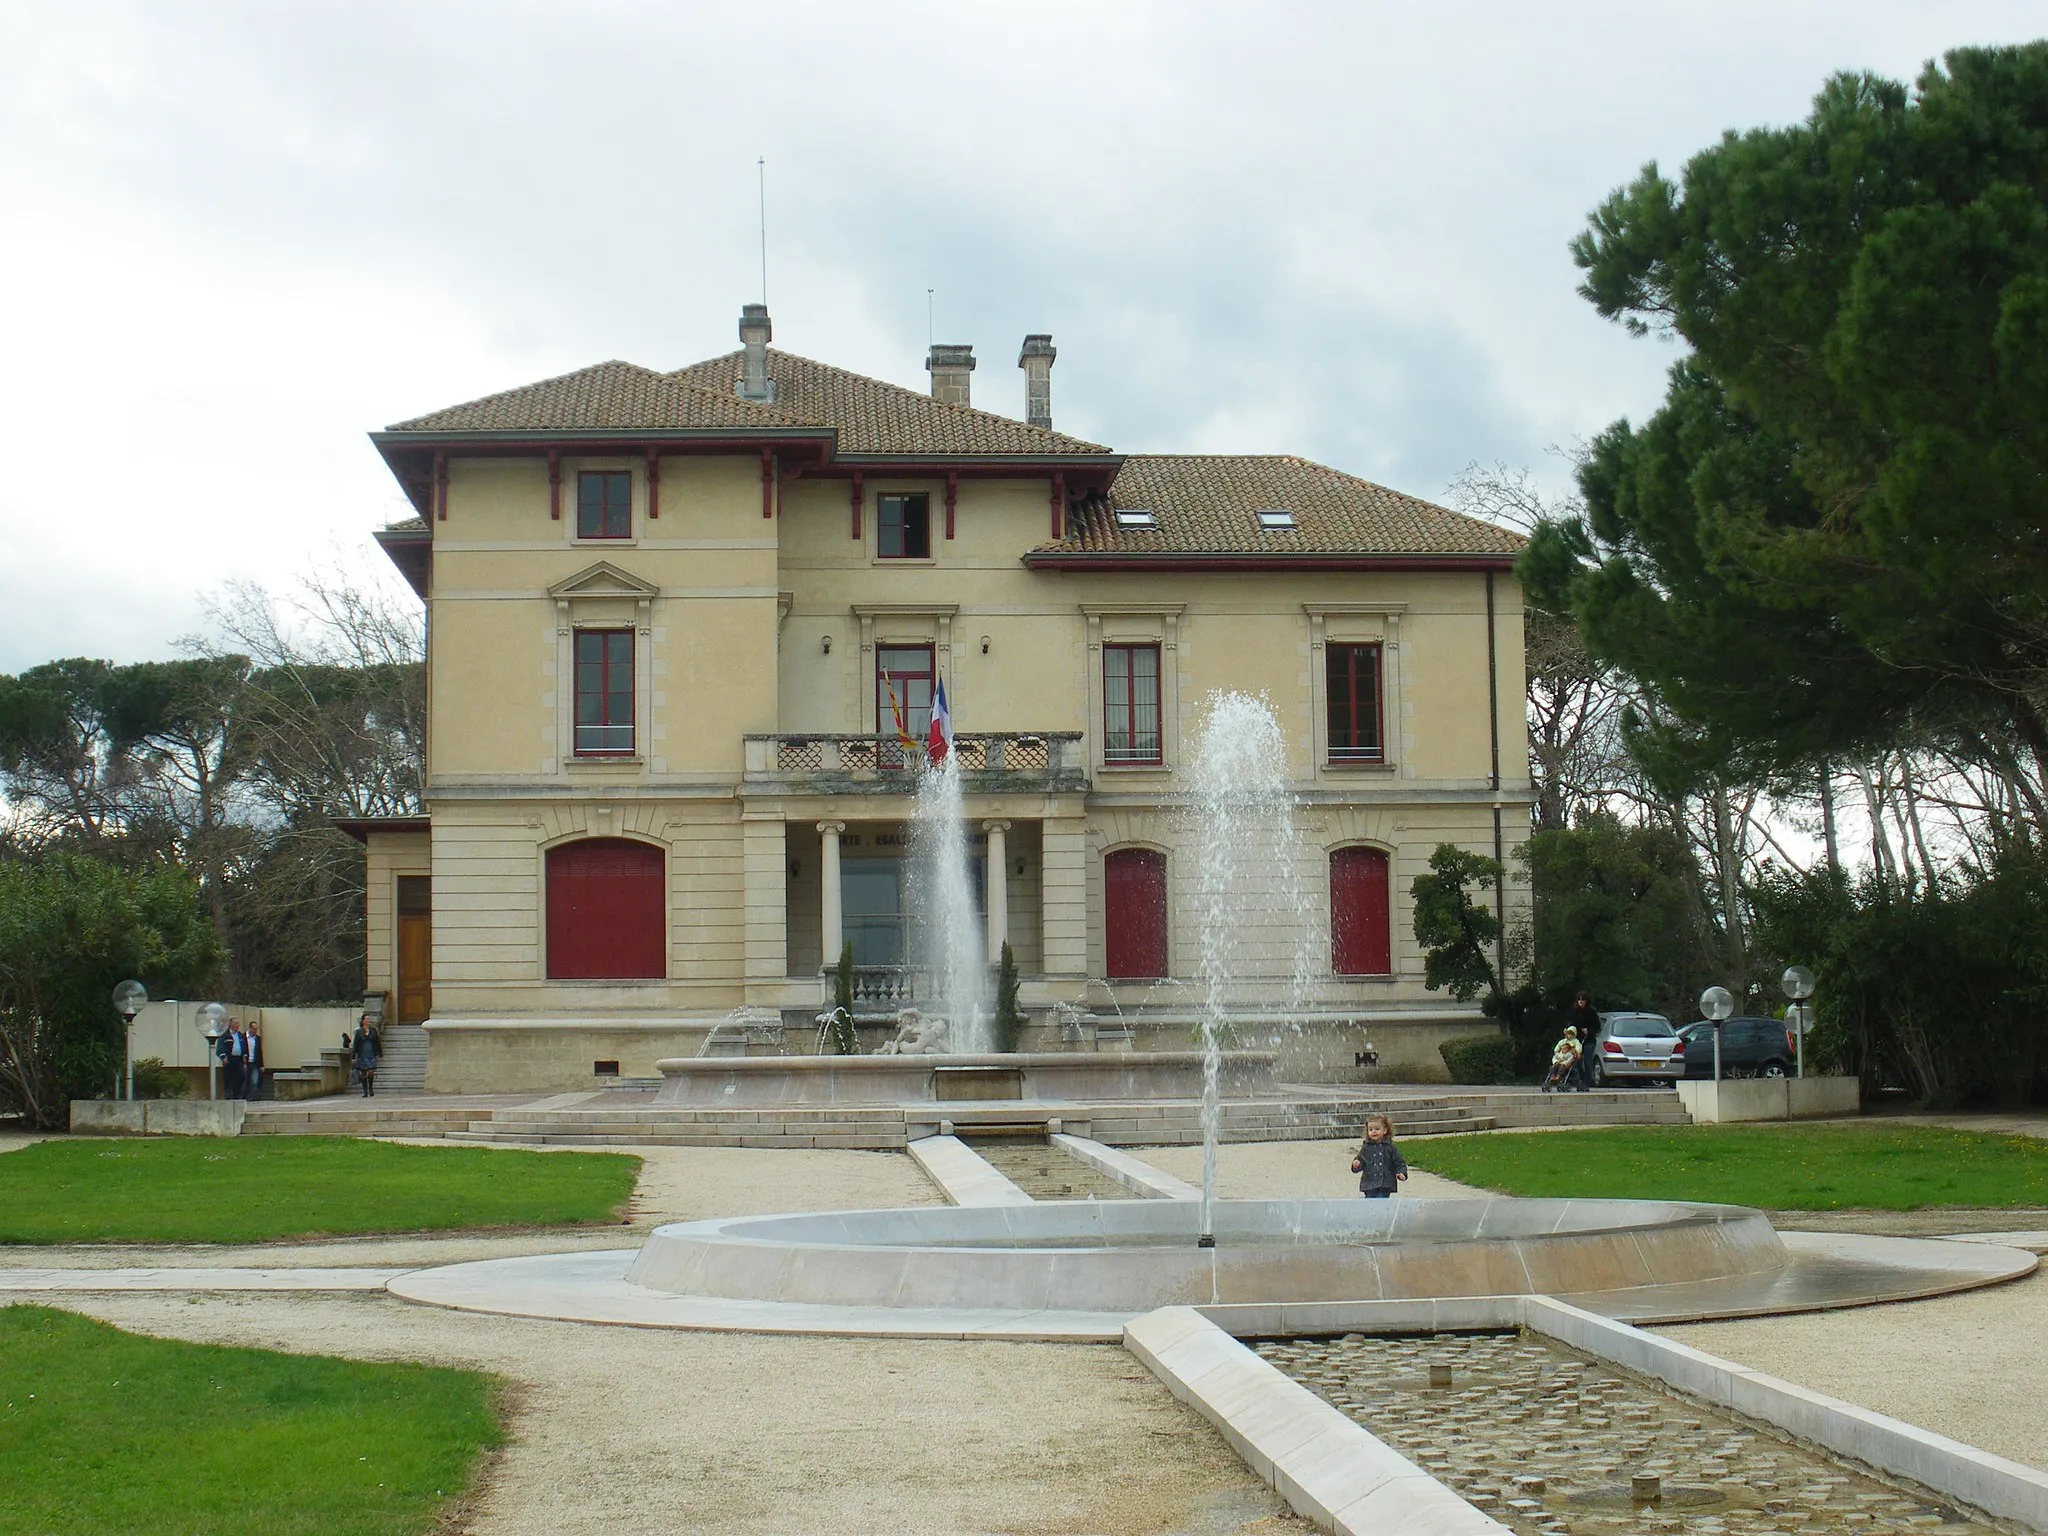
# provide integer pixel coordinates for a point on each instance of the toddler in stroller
(1562, 1060)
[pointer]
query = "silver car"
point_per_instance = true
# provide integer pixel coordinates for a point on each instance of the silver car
(1637, 1048)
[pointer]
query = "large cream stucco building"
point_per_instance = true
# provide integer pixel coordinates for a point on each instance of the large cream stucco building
(673, 621)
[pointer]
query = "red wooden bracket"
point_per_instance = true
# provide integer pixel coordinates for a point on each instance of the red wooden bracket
(767, 482)
(441, 487)
(653, 482)
(952, 496)
(1059, 506)
(555, 485)
(860, 498)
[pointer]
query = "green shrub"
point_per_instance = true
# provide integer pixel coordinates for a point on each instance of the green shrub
(1009, 1017)
(154, 1080)
(1480, 1059)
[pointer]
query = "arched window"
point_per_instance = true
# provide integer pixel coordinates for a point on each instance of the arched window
(1134, 911)
(607, 919)
(1361, 935)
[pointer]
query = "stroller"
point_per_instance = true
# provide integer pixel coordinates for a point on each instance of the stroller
(1562, 1060)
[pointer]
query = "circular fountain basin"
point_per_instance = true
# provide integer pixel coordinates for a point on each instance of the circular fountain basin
(1133, 1255)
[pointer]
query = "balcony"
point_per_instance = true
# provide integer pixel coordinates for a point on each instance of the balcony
(1045, 762)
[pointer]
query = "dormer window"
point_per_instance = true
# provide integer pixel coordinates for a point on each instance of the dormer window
(604, 504)
(1135, 517)
(1274, 519)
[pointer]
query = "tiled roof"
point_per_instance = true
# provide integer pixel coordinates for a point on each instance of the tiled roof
(609, 397)
(406, 525)
(1208, 504)
(877, 418)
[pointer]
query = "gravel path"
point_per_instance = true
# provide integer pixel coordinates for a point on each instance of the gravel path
(624, 1431)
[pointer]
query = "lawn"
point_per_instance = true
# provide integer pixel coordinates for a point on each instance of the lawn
(1864, 1166)
(203, 1189)
(108, 1432)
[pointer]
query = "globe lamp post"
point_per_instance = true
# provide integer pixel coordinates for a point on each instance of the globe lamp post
(212, 1020)
(1798, 984)
(1717, 1003)
(129, 997)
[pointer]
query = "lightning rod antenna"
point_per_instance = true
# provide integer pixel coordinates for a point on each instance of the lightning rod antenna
(761, 174)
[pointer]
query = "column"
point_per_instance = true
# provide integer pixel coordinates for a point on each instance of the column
(997, 896)
(830, 925)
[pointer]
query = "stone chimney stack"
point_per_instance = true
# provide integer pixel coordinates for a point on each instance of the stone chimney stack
(952, 371)
(1036, 361)
(755, 334)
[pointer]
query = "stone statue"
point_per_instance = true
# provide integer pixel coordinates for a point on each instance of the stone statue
(916, 1035)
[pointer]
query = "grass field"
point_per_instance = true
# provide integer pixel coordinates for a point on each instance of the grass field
(1865, 1166)
(104, 1433)
(203, 1189)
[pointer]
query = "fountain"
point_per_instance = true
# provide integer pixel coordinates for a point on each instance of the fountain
(1248, 883)
(950, 941)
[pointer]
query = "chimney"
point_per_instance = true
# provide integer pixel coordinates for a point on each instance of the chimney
(755, 334)
(952, 371)
(1036, 361)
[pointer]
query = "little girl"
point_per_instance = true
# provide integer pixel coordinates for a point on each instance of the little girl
(1379, 1164)
(1562, 1060)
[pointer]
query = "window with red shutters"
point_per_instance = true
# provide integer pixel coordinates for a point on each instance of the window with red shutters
(1130, 704)
(604, 692)
(1353, 675)
(1134, 912)
(1361, 933)
(607, 916)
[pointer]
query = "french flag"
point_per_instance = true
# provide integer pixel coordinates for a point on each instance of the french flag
(939, 739)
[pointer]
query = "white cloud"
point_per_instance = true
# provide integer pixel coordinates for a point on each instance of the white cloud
(241, 235)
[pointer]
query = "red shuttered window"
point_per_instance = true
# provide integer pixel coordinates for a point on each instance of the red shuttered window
(604, 692)
(1134, 910)
(1130, 703)
(607, 919)
(1353, 675)
(1361, 935)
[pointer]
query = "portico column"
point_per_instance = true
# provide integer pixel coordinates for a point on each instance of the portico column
(828, 905)
(997, 898)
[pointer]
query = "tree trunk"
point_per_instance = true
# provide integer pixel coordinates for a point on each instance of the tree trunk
(1731, 891)
(1827, 818)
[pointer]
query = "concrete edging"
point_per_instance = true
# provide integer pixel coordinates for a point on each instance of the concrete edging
(1139, 1177)
(2005, 1489)
(1735, 1100)
(962, 1174)
(158, 1117)
(1329, 1469)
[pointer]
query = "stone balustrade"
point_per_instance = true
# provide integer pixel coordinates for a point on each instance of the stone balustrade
(1045, 760)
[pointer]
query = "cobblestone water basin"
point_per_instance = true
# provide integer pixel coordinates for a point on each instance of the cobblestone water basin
(1549, 1443)
(1046, 1172)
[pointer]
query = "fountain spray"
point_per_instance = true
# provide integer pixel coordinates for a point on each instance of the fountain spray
(1249, 885)
(950, 936)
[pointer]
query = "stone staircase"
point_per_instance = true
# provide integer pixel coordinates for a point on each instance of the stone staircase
(403, 1067)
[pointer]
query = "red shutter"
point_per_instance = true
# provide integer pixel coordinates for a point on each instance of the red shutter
(1135, 909)
(606, 915)
(1361, 936)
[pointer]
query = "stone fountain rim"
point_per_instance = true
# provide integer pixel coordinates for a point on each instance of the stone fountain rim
(818, 1230)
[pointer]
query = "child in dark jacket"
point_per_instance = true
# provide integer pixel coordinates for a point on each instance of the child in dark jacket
(1379, 1163)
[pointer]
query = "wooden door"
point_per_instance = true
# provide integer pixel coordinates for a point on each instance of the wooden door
(1134, 913)
(415, 949)
(1361, 933)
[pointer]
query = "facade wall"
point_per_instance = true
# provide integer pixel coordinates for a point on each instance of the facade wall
(386, 856)
(750, 626)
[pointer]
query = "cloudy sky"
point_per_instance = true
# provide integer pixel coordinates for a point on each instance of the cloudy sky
(237, 237)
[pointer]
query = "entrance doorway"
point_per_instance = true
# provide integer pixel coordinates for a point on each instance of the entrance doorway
(415, 948)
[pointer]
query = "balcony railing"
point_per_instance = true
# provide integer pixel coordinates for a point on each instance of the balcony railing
(1044, 760)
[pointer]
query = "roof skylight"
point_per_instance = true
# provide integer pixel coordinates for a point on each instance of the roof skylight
(1135, 517)
(1275, 517)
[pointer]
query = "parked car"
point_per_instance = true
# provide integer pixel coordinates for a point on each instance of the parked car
(1750, 1047)
(1637, 1048)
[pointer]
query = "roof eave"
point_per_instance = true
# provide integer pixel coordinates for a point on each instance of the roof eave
(393, 438)
(360, 827)
(412, 551)
(1194, 560)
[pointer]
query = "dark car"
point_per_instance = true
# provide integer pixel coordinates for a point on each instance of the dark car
(1750, 1047)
